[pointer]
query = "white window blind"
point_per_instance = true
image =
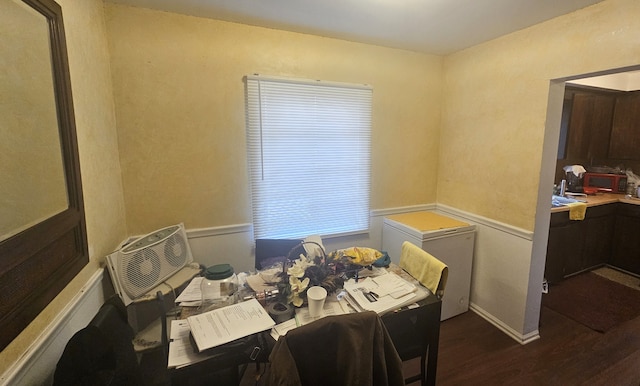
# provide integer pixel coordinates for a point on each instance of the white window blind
(308, 156)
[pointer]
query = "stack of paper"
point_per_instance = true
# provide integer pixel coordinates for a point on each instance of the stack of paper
(181, 352)
(382, 293)
(191, 296)
(226, 324)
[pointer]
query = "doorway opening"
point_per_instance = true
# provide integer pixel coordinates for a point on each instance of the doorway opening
(589, 122)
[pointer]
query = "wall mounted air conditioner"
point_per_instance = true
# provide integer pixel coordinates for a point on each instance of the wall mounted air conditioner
(146, 262)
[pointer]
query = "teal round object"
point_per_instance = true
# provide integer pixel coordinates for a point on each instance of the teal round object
(218, 272)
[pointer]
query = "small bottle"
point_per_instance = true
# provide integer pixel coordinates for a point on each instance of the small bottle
(563, 187)
(218, 287)
(631, 187)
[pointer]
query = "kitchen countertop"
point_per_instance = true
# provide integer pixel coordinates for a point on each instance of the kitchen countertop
(600, 199)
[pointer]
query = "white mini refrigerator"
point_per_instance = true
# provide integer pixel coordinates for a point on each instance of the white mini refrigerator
(448, 239)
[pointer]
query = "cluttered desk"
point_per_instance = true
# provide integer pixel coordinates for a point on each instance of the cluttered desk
(252, 312)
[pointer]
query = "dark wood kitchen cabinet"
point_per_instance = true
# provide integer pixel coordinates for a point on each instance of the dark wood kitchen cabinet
(564, 246)
(625, 130)
(626, 238)
(589, 128)
(577, 245)
(598, 241)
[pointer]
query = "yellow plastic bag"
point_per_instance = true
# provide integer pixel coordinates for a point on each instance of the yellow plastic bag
(357, 255)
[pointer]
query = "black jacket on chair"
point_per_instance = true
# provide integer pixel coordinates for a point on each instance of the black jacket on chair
(101, 353)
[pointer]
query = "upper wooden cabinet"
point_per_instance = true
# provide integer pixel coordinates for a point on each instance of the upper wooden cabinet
(625, 131)
(589, 128)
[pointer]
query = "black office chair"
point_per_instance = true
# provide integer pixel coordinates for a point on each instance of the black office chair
(274, 251)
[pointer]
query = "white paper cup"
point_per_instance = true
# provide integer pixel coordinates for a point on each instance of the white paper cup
(316, 296)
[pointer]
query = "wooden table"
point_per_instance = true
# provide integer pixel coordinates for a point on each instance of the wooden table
(427, 313)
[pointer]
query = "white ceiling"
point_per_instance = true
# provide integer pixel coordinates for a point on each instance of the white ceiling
(622, 81)
(430, 26)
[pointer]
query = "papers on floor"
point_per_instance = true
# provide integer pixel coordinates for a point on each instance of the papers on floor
(226, 324)
(382, 293)
(302, 317)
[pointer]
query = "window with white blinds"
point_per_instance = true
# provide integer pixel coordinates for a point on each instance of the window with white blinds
(309, 156)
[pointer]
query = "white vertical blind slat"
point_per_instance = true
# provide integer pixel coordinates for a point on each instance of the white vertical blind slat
(309, 156)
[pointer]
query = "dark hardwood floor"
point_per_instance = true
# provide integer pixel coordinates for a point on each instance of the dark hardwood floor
(474, 352)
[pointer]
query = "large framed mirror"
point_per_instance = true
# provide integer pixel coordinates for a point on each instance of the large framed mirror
(43, 242)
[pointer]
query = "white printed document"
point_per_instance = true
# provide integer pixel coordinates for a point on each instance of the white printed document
(226, 324)
(382, 293)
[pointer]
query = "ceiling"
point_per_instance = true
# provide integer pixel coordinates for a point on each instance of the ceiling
(430, 26)
(621, 81)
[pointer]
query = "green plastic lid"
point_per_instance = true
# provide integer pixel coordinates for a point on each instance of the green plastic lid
(218, 272)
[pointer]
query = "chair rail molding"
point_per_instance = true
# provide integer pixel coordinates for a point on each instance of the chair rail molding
(497, 244)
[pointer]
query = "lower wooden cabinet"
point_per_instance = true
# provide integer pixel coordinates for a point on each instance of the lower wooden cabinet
(564, 247)
(599, 236)
(575, 246)
(626, 238)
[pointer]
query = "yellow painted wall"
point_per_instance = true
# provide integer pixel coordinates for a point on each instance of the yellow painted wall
(179, 93)
(495, 103)
(97, 142)
(179, 97)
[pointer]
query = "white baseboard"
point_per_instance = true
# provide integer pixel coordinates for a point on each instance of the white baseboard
(522, 339)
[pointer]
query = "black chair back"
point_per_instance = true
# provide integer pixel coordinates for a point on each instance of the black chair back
(273, 251)
(408, 331)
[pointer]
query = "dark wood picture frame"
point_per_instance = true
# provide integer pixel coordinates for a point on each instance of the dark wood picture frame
(37, 263)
